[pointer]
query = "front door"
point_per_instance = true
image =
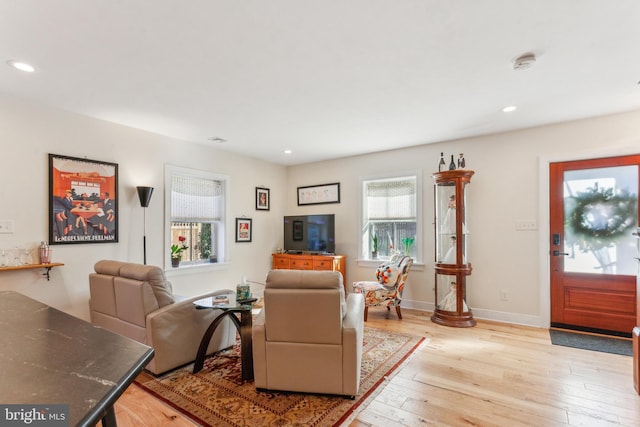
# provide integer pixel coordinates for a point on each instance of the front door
(593, 213)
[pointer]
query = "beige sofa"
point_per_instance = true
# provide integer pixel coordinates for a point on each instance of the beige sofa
(137, 301)
(308, 337)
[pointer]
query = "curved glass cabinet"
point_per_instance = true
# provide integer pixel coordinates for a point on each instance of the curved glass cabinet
(452, 266)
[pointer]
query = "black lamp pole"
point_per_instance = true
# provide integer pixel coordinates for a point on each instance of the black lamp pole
(144, 193)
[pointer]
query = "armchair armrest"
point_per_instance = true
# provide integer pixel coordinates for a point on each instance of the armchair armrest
(183, 307)
(259, 351)
(175, 331)
(184, 300)
(352, 336)
(354, 314)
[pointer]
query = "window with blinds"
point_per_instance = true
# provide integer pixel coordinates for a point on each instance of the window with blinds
(390, 216)
(196, 206)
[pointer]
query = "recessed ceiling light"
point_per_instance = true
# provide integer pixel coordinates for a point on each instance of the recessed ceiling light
(22, 66)
(509, 109)
(217, 139)
(287, 151)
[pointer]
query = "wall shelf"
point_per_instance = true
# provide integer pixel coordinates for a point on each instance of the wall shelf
(47, 267)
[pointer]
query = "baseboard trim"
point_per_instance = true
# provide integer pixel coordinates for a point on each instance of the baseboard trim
(497, 316)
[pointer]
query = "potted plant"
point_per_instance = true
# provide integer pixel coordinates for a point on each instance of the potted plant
(176, 251)
(374, 251)
(408, 245)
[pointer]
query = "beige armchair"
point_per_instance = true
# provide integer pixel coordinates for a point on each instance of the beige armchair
(137, 301)
(308, 337)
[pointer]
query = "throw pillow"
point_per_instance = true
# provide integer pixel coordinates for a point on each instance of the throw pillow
(387, 274)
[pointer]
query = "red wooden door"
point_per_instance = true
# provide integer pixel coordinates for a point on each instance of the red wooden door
(593, 213)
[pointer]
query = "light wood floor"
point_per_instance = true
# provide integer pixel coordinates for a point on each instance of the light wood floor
(491, 375)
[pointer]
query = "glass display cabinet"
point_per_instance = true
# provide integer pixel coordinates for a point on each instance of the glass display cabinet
(452, 266)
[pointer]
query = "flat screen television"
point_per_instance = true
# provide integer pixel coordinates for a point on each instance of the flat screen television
(309, 234)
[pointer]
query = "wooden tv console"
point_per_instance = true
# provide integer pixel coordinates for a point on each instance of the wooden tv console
(311, 262)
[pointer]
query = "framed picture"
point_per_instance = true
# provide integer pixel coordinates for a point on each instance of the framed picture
(319, 194)
(243, 229)
(263, 200)
(83, 201)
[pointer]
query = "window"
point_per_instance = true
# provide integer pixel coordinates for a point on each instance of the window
(195, 210)
(391, 214)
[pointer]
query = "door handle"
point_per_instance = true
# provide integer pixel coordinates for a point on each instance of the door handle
(558, 253)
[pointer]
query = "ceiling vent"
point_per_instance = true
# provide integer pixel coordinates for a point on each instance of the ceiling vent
(524, 61)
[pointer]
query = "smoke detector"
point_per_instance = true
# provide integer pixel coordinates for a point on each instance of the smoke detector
(524, 61)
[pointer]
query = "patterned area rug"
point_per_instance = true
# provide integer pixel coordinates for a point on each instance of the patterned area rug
(217, 396)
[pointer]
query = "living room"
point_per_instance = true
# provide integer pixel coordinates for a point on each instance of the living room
(510, 278)
(509, 185)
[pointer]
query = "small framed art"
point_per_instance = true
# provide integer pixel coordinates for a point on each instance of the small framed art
(243, 229)
(262, 199)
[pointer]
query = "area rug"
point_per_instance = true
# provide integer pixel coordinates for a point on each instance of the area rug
(591, 342)
(217, 396)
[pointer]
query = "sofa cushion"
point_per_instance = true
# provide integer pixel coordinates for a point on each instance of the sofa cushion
(308, 279)
(108, 267)
(161, 287)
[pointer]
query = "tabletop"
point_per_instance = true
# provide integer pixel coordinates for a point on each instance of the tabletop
(50, 357)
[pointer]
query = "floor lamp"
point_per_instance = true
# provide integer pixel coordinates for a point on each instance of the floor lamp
(144, 193)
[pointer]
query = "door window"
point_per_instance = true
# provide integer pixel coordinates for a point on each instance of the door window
(600, 213)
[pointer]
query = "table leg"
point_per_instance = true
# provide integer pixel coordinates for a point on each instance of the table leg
(246, 344)
(109, 419)
(243, 326)
(198, 364)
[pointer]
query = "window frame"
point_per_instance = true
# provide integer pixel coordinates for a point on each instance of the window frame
(365, 258)
(223, 235)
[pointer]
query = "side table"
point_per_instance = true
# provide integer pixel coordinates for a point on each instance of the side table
(243, 325)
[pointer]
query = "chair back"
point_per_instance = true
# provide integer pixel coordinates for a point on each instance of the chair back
(304, 306)
(128, 291)
(404, 266)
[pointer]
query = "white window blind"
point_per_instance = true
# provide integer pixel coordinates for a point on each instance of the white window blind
(196, 199)
(391, 199)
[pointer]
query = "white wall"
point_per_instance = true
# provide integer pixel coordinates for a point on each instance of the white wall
(29, 132)
(510, 184)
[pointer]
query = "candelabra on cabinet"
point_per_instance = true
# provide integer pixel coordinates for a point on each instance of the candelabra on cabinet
(452, 266)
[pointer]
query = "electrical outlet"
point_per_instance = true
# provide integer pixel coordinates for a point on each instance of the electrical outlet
(6, 226)
(504, 295)
(528, 225)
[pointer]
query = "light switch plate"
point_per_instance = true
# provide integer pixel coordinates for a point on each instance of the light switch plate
(526, 225)
(6, 226)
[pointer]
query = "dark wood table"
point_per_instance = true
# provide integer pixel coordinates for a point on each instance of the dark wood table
(48, 357)
(243, 325)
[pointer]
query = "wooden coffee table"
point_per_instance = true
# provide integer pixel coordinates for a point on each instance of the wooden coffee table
(243, 325)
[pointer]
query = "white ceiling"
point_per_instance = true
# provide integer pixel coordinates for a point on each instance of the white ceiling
(328, 78)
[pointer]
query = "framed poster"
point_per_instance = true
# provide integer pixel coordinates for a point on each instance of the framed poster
(262, 199)
(319, 194)
(243, 229)
(83, 201)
